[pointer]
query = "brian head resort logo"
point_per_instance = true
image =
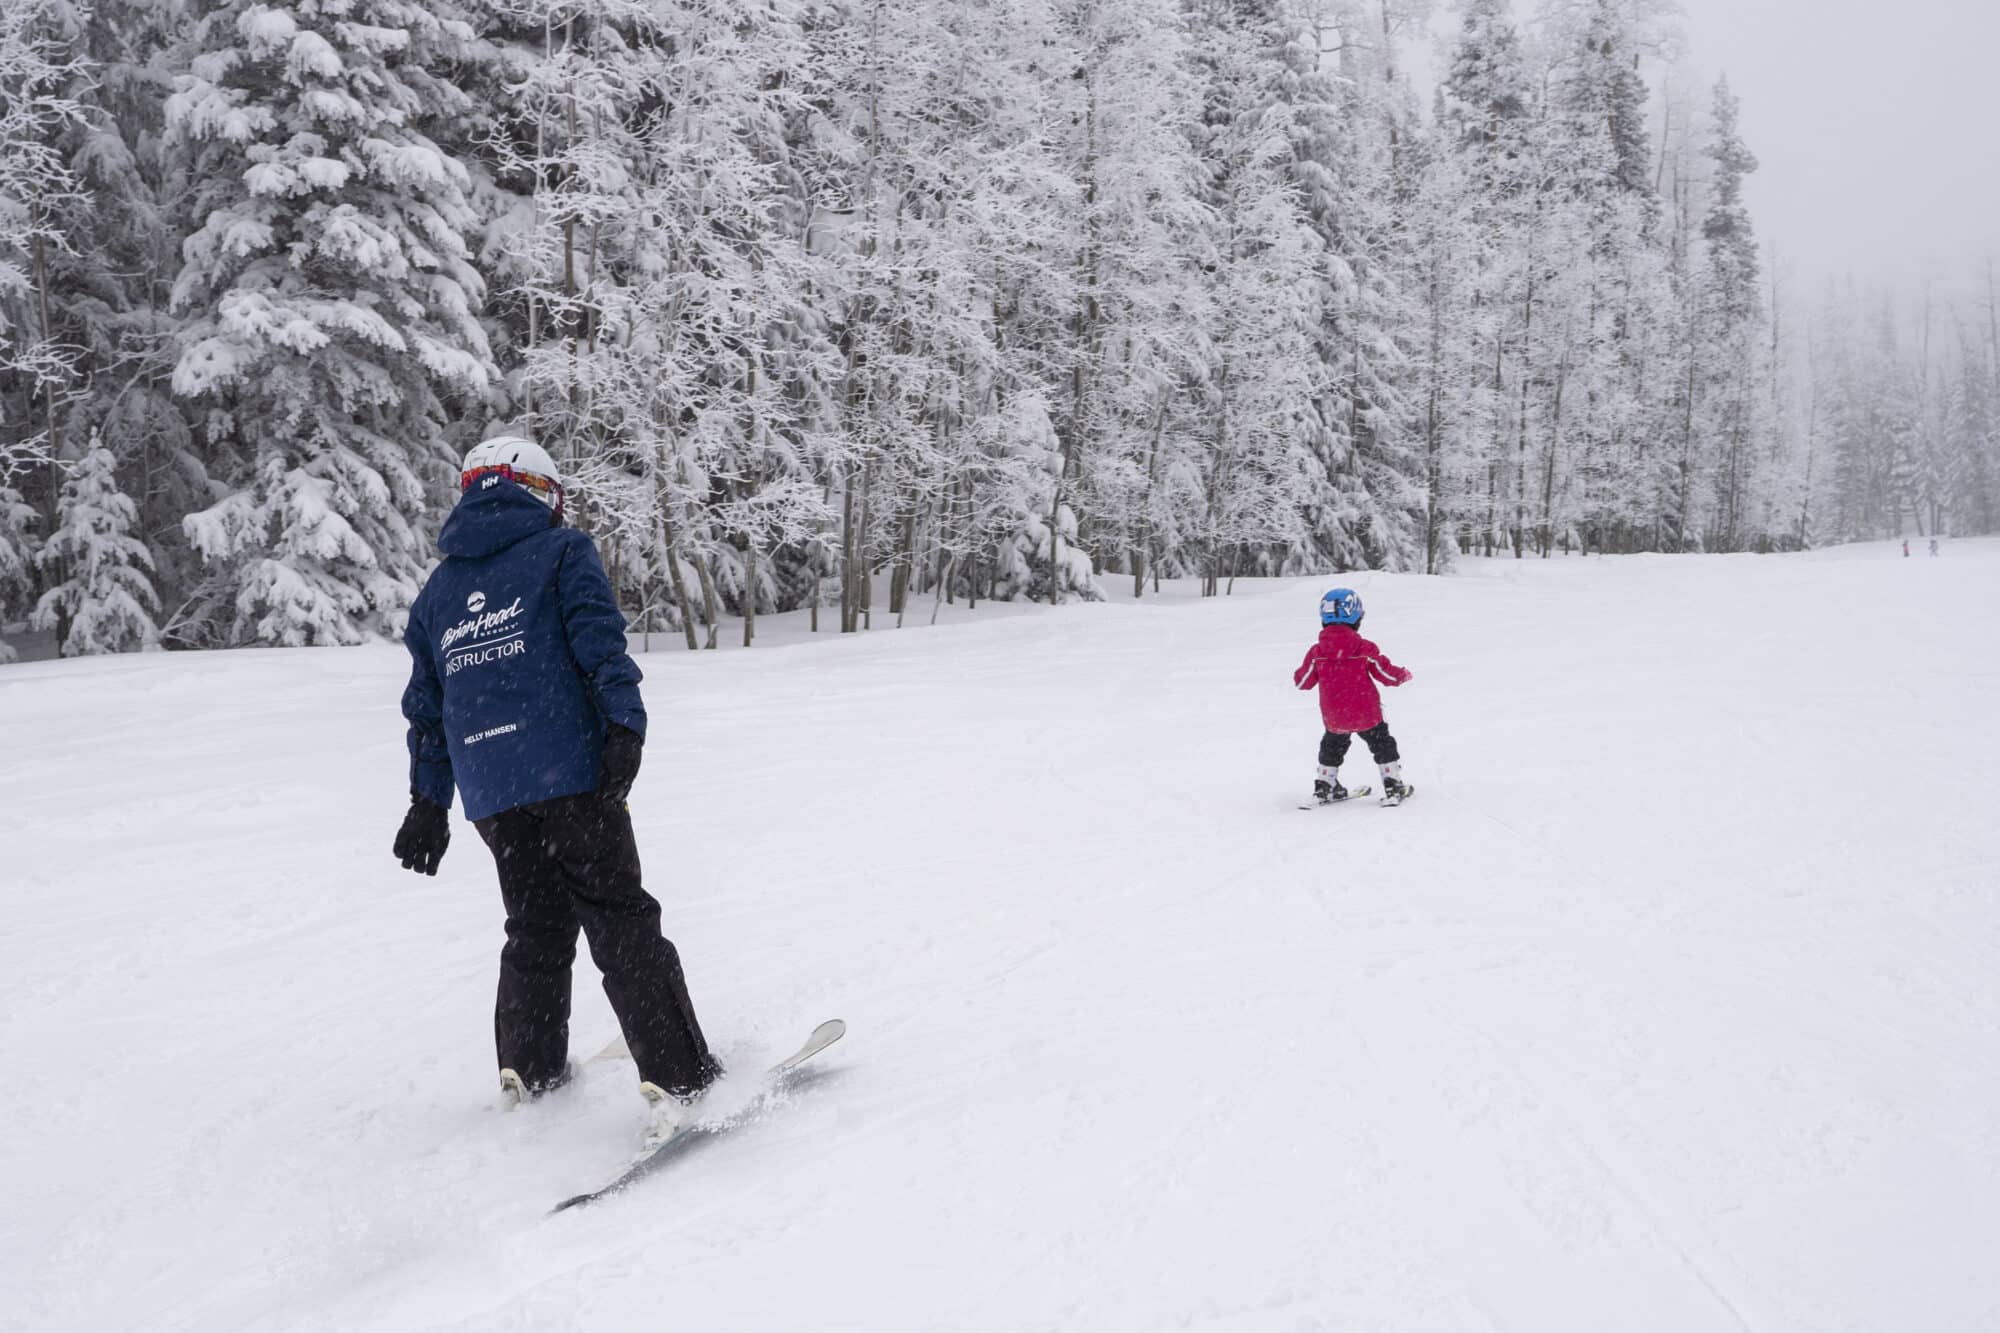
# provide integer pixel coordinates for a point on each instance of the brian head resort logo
(476, 603)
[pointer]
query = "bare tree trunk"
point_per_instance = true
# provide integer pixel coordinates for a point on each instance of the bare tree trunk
(710, 611)
(569, 287)
(1545, 538)
(864, 600)
(944, 582)
(1666, 138)
(668, 543)
(1527, 379)
(847, 615)
(1144, 546)
(1498, 442)
(1434, 471)
(1993, 329)
(1492, 500)
(906, 561)
(1686, 500)
(1519, 532)
(1085, 332)
(1812, 434)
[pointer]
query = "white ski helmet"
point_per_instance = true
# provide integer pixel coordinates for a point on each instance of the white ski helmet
(518, 460)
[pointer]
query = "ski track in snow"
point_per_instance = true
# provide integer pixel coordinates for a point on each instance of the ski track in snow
(1668, 1003)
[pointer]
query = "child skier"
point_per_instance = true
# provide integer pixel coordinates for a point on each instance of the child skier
(522, 697)
(1345, 667)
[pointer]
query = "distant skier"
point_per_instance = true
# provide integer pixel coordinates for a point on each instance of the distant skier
(522, 697)
(1933, 546)
(1906, 548)
(1345, 666)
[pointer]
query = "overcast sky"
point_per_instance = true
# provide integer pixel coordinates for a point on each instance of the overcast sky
(1877, 123)
(1878, 126)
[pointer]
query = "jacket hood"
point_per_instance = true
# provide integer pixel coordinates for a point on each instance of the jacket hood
(491, 518)
(1332, 633)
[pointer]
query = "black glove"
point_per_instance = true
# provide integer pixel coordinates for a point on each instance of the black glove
(621, 763)
(426, 832)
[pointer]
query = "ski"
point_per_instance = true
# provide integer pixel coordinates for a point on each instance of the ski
(1353, 793)
(823, 1036)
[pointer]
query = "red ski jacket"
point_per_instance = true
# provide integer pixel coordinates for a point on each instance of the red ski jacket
(1346, 666)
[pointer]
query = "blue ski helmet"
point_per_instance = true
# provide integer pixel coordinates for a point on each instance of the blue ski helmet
(1341, 606)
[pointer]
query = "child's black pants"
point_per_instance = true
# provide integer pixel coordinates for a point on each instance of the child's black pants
(573, 863)
(1381, 745)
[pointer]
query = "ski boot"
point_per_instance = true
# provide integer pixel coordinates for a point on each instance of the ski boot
(514, 1090)
(666, 1115)
(1394, 790)
(1327, 788)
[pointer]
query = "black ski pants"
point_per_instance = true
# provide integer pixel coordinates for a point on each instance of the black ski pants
(571, 863)
(1381, 745)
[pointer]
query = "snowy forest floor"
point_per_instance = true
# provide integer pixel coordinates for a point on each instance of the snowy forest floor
(1668, 1004)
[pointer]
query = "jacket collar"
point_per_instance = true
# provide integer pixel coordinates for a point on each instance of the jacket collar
(492, 516)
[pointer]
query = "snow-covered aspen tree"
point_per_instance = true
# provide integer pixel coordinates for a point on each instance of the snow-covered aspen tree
(39, 74)
(1140, 311)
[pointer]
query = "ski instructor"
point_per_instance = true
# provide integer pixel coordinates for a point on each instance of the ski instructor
(522, 697)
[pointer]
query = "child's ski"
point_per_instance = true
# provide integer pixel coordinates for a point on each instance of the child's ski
(1353, 793)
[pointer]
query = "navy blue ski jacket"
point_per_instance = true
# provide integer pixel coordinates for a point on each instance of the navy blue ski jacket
(518, 659)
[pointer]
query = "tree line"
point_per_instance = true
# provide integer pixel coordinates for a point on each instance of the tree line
(820, 300)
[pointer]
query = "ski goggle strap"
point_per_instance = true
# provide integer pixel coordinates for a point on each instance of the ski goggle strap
(534, 481)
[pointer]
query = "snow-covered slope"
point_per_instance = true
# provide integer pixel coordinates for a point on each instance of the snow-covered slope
(1668, 1004)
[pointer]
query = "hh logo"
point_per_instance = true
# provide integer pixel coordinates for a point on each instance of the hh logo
(476, 603)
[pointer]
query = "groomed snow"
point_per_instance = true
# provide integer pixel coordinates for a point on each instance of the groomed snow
(1670, 1003)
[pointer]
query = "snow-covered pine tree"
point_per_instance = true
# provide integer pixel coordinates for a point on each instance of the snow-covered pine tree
(16, 575)
(1609, 295)
(332, 308)
(1841, 418)
(1728, 365)
(1486, 95)
(1778, 470)
(100, 596)
(1930, 461)
(1897, 419)
(1320, 70)
(1867, 416)
(1381, 314)
(1972, 441)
